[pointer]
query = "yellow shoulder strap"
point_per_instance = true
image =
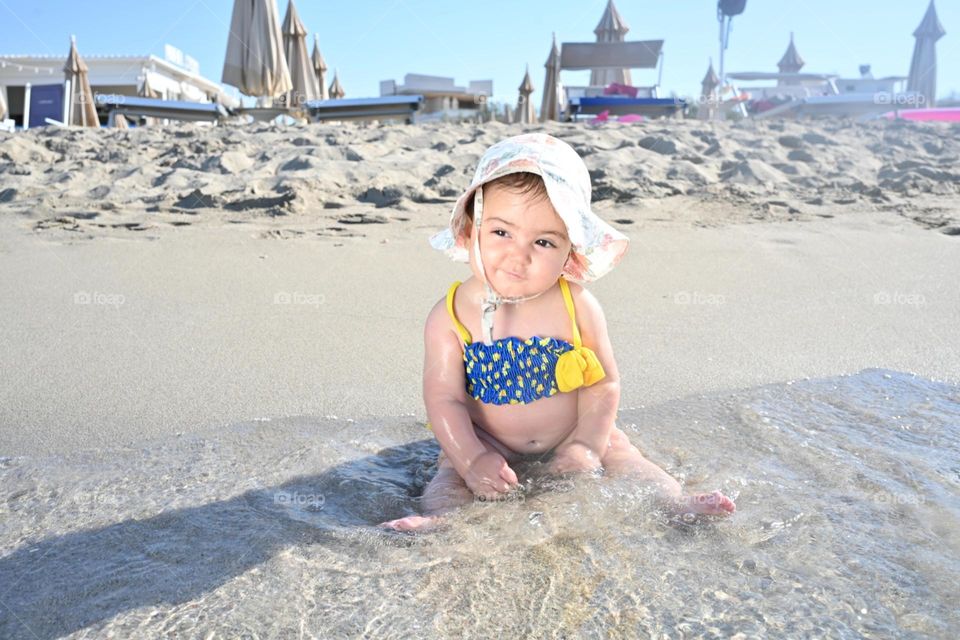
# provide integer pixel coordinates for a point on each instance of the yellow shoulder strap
(568, 299)
(453, 316)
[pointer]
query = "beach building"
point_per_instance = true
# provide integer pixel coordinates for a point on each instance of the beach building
(866, 83)
(798, 92)
(442, 99)
(34, 84)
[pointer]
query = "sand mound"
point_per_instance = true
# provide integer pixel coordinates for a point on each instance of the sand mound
(316, 171)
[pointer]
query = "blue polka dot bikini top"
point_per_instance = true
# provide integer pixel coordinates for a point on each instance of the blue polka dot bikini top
(515, 371)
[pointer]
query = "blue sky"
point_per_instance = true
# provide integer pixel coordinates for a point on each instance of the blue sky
(373, 40)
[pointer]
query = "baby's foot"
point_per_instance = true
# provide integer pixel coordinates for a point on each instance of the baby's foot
(412, 523)
(711, 504)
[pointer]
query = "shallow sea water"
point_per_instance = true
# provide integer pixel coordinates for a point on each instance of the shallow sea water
(848, 512)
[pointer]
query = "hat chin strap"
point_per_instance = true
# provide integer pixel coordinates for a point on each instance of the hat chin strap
(493, 299)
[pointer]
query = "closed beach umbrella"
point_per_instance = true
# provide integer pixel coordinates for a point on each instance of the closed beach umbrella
(923, 65)
(336, 91)
(708, 93)
(320, 68)
(3, 103)
(612, 28)
(147, 91)
(82, 110)
(302, 75)
(525, 111)
(255, 63)
(550, 106)
(791, 62)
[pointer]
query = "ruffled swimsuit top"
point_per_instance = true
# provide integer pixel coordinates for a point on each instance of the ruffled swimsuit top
(515, 371)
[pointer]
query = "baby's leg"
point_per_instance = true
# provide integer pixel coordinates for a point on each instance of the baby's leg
(624, 458)
(445, 492)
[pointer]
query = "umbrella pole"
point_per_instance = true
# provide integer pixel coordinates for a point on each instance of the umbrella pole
(26, 106)
(723, 47)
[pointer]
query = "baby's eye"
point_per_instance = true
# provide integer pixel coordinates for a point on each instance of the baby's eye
(549, 244)
(498, 232)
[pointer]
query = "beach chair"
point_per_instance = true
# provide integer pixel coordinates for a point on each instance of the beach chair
(383, 108)
(168, 109)
(647, 107)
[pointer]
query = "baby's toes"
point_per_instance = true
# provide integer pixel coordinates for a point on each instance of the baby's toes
(713, 504)
(410, 523)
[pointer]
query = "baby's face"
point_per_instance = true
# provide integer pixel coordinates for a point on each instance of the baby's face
(523, 242)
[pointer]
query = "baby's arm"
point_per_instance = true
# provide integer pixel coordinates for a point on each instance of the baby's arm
(444, 394)
(597, 406)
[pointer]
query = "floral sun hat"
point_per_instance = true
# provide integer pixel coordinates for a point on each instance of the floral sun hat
(597, 247)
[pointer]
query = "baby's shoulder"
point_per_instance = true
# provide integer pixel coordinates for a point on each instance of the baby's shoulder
(440, 320)
(587, 307)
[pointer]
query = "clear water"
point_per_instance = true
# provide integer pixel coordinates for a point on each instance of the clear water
(848, 495)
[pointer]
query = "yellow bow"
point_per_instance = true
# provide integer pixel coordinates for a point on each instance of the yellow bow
(578, 367)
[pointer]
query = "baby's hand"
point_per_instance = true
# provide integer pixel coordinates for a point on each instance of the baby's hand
(490, 475)
(573, 458)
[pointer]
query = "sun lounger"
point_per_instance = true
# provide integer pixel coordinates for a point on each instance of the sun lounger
(650, 107)
(383, 108)
(263, 114)
(168, 109)
(851, 105)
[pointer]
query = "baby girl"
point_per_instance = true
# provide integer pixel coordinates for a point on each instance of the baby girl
(542, 378)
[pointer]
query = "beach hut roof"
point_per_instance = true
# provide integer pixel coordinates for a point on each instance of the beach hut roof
(791, 60)
(611, 22)
(930, 26)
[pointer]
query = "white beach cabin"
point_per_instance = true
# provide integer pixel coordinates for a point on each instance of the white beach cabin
(34, 84)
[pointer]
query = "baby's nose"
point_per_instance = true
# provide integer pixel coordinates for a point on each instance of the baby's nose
(522, 254)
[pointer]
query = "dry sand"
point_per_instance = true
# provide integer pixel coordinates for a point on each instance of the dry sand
(171, 279)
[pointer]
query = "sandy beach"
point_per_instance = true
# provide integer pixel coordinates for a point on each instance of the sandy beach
(171, 279)
(212, 349)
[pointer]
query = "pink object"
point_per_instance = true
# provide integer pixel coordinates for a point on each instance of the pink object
(631, 117)
(603, 116)
(945, 114)
(617, 89)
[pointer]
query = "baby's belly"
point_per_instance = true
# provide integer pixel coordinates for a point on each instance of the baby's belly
(528, 428)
